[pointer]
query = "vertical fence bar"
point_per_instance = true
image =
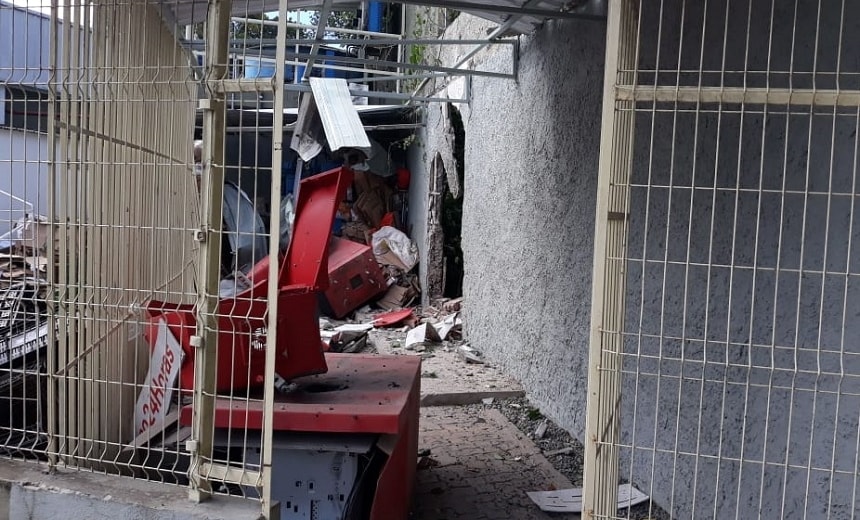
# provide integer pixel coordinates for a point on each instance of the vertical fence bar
(53, 344)
(212, 186)
(271, 510)
(600, 471)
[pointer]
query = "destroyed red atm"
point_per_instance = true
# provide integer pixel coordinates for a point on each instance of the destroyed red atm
(354, 428)
(242, 319)
(354, 278)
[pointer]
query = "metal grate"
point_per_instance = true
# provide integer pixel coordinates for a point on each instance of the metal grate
(725, 374)
(124, 205)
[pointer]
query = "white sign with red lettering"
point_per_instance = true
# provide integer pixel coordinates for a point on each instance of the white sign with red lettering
(154, 400)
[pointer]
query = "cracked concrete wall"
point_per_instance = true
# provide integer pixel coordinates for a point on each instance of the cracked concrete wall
(428, 179)
(531, 169)
(425, 203)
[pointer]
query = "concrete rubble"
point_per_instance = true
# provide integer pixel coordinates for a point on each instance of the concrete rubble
(453, 373)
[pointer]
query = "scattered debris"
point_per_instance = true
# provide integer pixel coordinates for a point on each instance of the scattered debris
(354, 327)
(348, 342)
(540, 431)
(449, 325)
(452, 305)
(421, 334)
(392, 247)
(389, 319)
(429, 375)
(488, 400)
(562, 451)
(397, 297)
(325, 324)
(427, 463)
(470, 355)
(570, 500)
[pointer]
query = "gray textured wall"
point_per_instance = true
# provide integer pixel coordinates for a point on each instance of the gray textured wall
(528, 216)
(755, 373)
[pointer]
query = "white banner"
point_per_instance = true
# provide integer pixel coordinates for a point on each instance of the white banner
(154, 400)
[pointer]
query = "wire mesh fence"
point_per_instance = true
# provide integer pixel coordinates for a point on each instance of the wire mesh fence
(120, 228)
(725, 375)
(147, 234)
(24, 176)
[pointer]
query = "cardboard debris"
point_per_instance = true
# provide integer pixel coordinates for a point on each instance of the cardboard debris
(357, 232)
(371, 207)
(570, 500)
(423, 333)
(396, 298)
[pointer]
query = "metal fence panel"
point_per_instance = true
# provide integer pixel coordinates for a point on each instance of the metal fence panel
(728, 382)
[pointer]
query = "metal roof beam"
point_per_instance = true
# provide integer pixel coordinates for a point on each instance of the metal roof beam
(325, 10)
(495, 35)
(417, 66)
(462, 5)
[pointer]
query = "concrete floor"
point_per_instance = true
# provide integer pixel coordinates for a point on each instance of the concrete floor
(480, 467)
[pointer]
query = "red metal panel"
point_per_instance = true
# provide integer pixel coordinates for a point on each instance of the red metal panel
(242, 320)
(396, 482)
(354, 277)
(358, 394)
(307, 258)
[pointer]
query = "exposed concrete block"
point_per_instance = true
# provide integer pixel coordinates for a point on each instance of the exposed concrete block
(33, 494)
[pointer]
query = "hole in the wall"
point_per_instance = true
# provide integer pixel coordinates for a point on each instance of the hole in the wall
(452, 214)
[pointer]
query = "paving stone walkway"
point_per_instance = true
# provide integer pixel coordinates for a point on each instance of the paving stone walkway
(479, 468)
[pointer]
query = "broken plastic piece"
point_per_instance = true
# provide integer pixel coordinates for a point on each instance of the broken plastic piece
(570, 500)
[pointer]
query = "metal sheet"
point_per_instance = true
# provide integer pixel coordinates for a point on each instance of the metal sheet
(343, 127)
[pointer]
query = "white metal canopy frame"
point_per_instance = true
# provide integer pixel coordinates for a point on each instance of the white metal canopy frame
(724, 374)
(304, 45)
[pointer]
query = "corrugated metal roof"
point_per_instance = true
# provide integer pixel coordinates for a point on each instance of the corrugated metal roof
(186, 12)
